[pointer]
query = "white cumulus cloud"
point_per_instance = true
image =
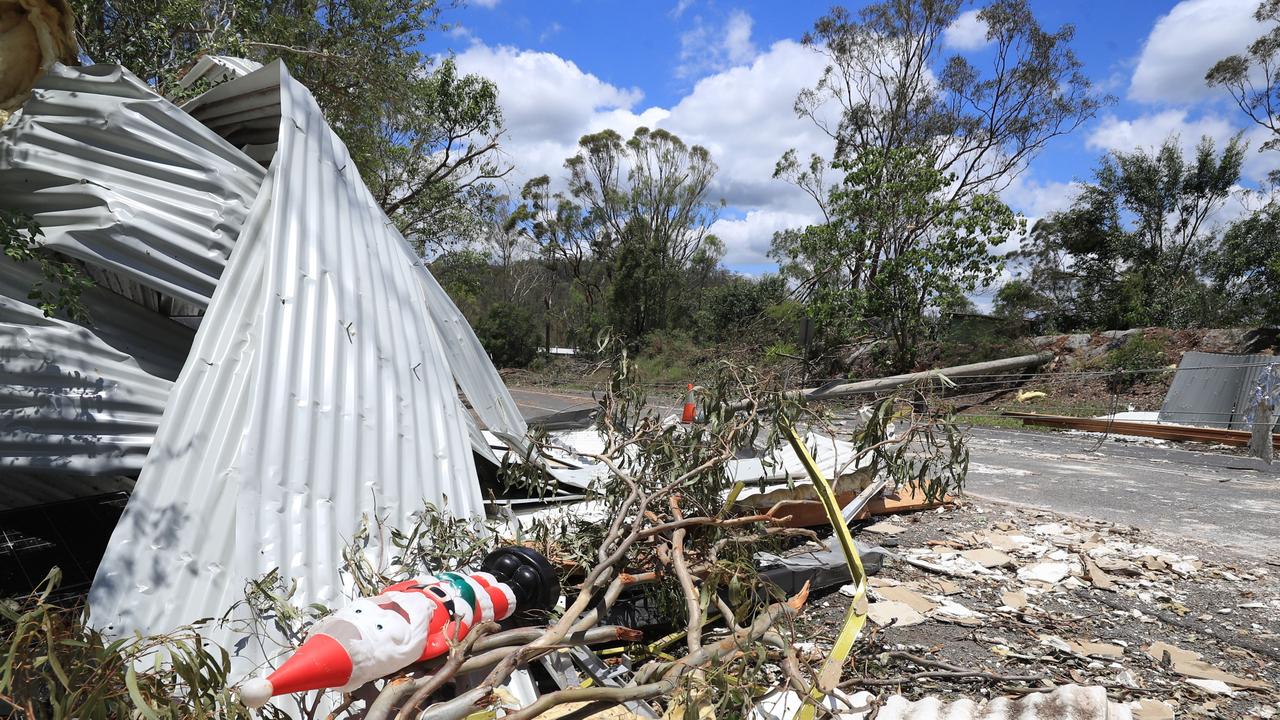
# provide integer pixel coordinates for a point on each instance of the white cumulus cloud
(1150, 130)
(706, 48)
(968, 32)
(1185, 43)
(744, 115)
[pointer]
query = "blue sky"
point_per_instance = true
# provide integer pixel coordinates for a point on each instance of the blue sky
(724, 75)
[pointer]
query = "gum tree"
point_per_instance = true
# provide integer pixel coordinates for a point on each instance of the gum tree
(896, 107)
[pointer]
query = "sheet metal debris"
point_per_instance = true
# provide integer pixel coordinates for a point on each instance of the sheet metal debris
(217, 68)
(1213, 389)
(120, 178)
(77, 401)
(151, 201)
(1188, 433)
(303, 404)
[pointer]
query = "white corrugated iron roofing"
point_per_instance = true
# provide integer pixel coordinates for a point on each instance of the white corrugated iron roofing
(122, 179)
(318, 389)
(75, 400)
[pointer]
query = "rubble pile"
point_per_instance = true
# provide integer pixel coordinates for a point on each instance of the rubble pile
(995, 600)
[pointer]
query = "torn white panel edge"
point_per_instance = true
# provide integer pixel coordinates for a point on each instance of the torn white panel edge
(305, 403)
(217, 68)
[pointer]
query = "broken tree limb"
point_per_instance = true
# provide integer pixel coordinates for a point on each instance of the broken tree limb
(870, 387)
(1195, 626)
(941, 670)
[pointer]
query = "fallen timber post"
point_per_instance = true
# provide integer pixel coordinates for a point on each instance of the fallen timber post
(869, 387)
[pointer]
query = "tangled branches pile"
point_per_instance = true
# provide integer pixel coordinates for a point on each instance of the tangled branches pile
(659, 524)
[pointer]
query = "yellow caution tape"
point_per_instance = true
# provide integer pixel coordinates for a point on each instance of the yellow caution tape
(733, 496)
(855, 618)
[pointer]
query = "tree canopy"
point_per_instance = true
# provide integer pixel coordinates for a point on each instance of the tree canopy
(1134, 248)
(924, 142)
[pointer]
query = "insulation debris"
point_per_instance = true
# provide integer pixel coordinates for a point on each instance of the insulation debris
(34, 34)
(1162, 629)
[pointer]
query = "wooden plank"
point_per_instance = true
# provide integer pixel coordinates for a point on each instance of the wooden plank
(810, 513)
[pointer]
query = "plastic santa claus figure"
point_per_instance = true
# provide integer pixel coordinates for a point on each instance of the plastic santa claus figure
(409, 622)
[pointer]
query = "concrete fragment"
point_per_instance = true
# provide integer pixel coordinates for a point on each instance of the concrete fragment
(1045, 572)
(892, 611)
(988, 558)
(1190, 664)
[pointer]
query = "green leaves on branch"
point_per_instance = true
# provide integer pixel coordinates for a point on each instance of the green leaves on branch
(633, 228)
(1253, 78)
(924, 142)
(62, 284)
(896, 246)
(1137, 246)
(56, 667)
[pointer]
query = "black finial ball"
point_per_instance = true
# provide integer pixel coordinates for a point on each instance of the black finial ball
(531, 577)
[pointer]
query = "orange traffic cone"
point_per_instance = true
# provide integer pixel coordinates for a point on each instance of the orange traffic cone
(690, 408)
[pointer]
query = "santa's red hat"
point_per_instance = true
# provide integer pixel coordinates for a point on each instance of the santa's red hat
(320, 663)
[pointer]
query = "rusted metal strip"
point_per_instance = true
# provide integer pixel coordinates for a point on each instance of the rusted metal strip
(1238, 438)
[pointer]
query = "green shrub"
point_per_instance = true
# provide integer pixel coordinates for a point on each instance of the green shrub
(53, 666)
(1136, 354)
(667, 356)
(509, 334)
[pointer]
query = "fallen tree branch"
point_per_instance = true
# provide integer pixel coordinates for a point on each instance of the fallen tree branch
(423, 688)
(1201, 628)
(943, 670)
(693, 608)
(696, 660)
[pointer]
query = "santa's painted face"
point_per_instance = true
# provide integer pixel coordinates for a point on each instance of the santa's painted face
(381, 634)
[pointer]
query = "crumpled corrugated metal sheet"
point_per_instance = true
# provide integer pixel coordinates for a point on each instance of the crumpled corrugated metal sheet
(317, 390)
(162, 200)
(1212, 389)
(79, 400)
(217, 68)
(122, 179)
(248, 117)
(472, 368)
(151, 201)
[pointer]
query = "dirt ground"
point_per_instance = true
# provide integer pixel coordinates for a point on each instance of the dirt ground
(1069, 629)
